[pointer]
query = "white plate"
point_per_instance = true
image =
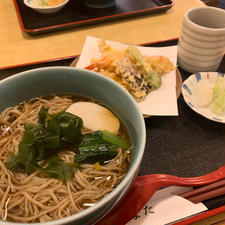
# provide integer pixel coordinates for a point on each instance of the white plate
(187, 90)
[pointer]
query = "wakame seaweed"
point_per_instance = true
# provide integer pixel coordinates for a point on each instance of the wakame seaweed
(60, 131)
(40, 142)
(58, 169)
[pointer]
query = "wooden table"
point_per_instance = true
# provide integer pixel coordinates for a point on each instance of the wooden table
(18, 47)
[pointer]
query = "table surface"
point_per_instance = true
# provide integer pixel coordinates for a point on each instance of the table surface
(18, 47)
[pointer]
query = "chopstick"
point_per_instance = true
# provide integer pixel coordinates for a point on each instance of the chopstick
(214, 203)
(205, 192)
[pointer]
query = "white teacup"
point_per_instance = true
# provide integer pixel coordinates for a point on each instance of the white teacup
(201, 45)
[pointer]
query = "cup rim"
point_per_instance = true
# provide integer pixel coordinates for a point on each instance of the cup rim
(200, 8)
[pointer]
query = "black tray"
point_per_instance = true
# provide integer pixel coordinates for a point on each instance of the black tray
(76, 13)
(187, 145)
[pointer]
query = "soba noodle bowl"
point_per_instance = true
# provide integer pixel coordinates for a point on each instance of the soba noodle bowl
(40, 198)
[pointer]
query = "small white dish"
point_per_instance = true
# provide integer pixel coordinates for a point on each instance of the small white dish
(188, 89)
(45, 9)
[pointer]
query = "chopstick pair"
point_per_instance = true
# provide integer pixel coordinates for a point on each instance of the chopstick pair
(205, 192)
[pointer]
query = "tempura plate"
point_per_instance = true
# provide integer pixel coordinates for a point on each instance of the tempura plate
(178, 81)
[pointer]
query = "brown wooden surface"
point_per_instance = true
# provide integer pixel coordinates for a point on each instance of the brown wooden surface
(18, 47)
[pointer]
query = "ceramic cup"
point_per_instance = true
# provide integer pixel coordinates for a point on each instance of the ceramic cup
(201, 45)
(99, 3)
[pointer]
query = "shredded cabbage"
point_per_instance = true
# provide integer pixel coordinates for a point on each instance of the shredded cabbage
(217, 105)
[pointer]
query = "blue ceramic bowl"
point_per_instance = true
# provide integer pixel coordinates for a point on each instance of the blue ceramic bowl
(44, 81)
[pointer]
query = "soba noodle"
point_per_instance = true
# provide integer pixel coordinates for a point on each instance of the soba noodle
(36, 197)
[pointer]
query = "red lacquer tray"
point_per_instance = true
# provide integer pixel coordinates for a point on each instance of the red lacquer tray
(76, 14)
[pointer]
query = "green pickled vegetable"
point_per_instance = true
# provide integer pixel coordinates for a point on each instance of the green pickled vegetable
(218, 99)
